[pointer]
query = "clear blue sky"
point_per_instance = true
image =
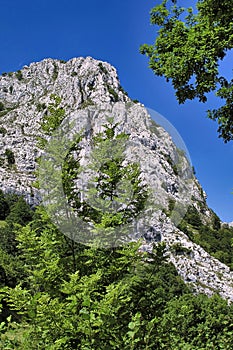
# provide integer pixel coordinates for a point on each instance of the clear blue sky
(112, 31)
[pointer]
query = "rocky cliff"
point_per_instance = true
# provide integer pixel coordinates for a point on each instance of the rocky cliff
(90, 90)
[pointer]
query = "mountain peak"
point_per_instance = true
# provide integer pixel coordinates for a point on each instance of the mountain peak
(90, 91)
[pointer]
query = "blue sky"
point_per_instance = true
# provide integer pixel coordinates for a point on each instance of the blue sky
(112, 31)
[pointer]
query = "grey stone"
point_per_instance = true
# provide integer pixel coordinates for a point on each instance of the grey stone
(90, 91)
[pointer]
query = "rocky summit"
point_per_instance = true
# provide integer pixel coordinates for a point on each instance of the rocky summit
(90, 92)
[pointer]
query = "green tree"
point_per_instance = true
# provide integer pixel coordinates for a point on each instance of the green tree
(187, 51)
(118, 186)
(20, 213)
(195, 323)
(4, 207)
(193, 217)
(115, 194)
(109, 301)
(216, 240)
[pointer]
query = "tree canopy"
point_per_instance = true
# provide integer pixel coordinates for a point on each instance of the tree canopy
(188, 49)
(58, 294)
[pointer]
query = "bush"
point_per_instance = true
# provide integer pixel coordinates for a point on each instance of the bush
(192, 217)
(113, 94)
(20, 213)
(19, 75)
(40, 107)
(10, 156)
(1, 106)
(3, 131)
(102, 68)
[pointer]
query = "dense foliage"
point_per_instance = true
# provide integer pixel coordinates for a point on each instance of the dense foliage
(58, 294)
(63, 295)
(187, 51)
(215, 238)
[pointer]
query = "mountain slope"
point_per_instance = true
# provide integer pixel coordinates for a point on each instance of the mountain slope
(90, 92)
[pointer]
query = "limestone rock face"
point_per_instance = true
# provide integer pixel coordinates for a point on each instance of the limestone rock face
(91, 92)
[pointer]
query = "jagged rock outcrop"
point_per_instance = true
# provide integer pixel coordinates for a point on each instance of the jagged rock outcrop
(90, 91)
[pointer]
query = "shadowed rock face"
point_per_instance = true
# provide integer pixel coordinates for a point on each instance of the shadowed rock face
(90, 92)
